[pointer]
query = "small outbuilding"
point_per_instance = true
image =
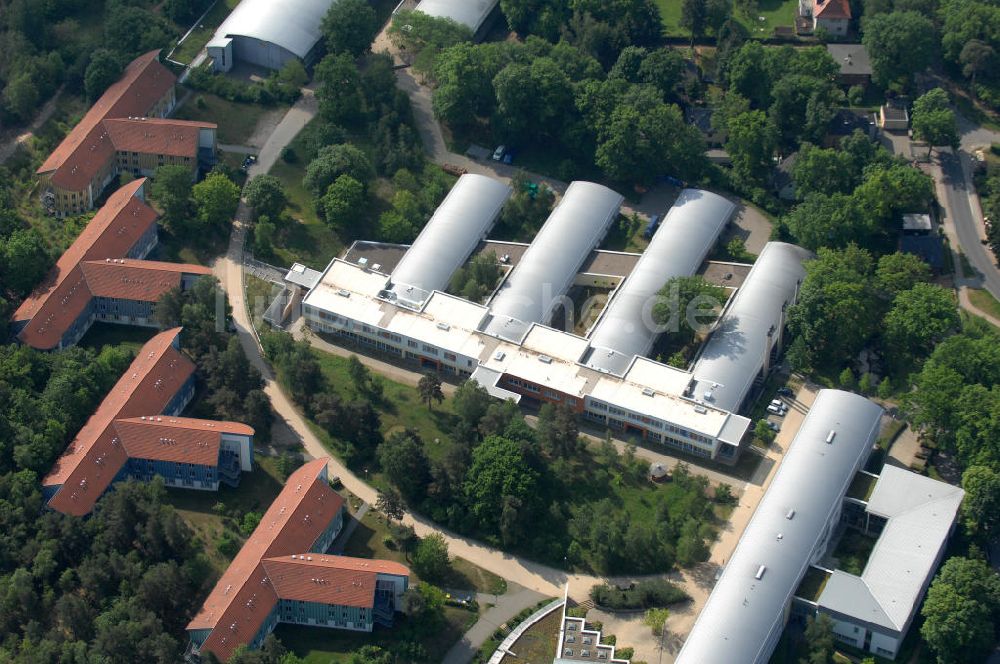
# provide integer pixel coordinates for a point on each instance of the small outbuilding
(855, 65)
(658, 472)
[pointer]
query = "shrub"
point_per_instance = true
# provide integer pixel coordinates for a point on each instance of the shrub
(641, 595)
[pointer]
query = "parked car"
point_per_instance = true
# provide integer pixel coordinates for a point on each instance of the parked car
(499, 152)
(775, 410)
(774, 426)
(786, 392)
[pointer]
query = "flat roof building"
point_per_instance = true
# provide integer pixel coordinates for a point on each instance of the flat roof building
(751, 328)
(282, 575)
(535, 287)
(459, 224)
(913, 516)
(688, 232)
(745, 614)
(269, 34)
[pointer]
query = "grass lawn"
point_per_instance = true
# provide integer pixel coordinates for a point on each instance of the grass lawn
(333, 646)
(237, 122)
(853, 550)
(307, 240)
(775, 12)
(367, 541)
(400, 407)
(108, 334)
(626, 235)
(984, 301)
(812, 584)
(258, 297)
(190, 47)
(538, 643)
(861, 486)
(256, 492)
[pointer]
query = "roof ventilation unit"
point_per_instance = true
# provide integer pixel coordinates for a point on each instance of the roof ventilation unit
(343, 292)
(701, 410)
(790, 515)
(760, 572)
(443, 326)
(648, 392)
(499, 355)
(830, 436)
(545, 359)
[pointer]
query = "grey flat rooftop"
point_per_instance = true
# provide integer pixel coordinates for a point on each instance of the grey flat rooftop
(920, 513)
(852, 58)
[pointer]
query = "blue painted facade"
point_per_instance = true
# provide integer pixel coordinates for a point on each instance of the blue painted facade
(326, 615)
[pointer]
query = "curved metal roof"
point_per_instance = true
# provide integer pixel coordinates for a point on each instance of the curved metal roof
(744, 616)
(735, 353)
(293, 25)
(470, 13)
(686, 235)
(549, 265)
(461, 221)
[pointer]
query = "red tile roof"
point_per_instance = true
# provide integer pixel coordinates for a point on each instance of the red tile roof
(87, 148)
(112, 232)
(91, 461)
(175, 138)
(329, 579)
(142, 281)
(832, 9)
(176, 439)
(242, 599)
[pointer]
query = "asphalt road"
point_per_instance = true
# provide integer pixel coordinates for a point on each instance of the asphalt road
(967, 225)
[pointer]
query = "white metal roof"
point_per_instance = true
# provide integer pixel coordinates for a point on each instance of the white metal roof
(921, 512)
(683, 240)
(744, 615)
(470, 13)
(292, 24)
(736, 351)
(459, 224)
(548, 267)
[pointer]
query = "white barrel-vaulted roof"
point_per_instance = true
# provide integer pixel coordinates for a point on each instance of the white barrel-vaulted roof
(470, 13)
(548, 267)
(686, 235)
(745, 614)
(737, 350)
(293, 25)
(459, 224)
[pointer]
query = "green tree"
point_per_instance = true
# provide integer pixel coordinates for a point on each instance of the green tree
(405, 464)
(429, 388)
(390, 503)
(349, 26)
(103, 70)
(266, 196)
(171, 190)
(558, 431)
(656, 620)
(334, 161)
(919, 319)
(657, 134)
(934, 120)
(339, 89)
(961, 610)
(846, 379)
(837, 312)
(499, 469)
(686, 306)
(416, 31)
(803, 107)
(825, 171)
(981, 506)
(25, 260)
(898, 272)
(21, 96)
(430, 558)
(470, 402)
(819, 637)
(342, 202)
(694, 17)
(763, 432)
(977, 58)
(829, 221)
(532, 100)
(216, 198)
(899, 44)
(751, 141)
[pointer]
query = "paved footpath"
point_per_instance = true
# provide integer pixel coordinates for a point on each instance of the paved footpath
(505, 608)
